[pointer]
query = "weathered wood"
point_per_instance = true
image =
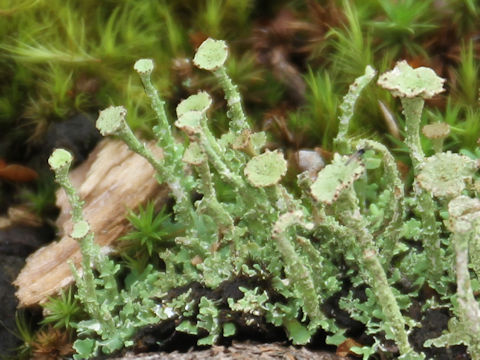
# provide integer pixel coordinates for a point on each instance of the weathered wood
(241, 351)
(111, 181)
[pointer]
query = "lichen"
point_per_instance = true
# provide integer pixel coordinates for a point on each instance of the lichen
(284, 255)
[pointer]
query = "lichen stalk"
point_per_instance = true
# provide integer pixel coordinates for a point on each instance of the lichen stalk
(112, 121)
(469, 311)
(347, 108)
(61, 170)
(216, 209)
(179, 192)
(394, 184)
(216, 159)
(212, 141)
(349, 214)
(234, 101)
(173, 149)
(412, 109)
(464, 222)
(60, 162)
(297, 272)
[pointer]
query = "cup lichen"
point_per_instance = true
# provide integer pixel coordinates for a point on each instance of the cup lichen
(59, 159)
(285, 249)
(266, 169)
(211, 54)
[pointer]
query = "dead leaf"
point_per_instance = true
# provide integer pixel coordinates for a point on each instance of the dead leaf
(344, 348)
(16, 173)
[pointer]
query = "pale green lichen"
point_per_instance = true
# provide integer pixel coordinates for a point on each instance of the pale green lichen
(59, 159)
(284, 250)
(348, 106)
(413, 86)
(464, 222)
(198, 102)
(211, 54)
(336, 177)
(144, 66)
(80, 229)
(446, 174)
(266, 169)
(111, 121)
(405, 81)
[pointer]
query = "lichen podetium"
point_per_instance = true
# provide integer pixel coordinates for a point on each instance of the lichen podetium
(295, 248)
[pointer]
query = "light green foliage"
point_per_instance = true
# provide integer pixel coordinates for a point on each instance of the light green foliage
(149, 229)
(401, 22)
(63, 311)
(274, 245)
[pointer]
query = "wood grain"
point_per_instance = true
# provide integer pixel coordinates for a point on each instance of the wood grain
(111, 181)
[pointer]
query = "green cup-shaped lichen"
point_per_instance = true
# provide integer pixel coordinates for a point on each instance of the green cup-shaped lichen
(336, 177)
(144, 66)
(112, 120)
(211, 55)
(413, 86)
(405, 81)
(80, 229)
(60, 158)
(445, 174)
(201, 101)
(266, 169)
(190, 122)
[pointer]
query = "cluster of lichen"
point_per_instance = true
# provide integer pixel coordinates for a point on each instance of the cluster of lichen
(353, 212)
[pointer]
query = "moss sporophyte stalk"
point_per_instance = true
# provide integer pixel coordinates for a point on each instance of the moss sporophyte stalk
(354, 219)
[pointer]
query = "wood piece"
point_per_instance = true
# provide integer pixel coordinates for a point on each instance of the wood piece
(111, 181)
(241, 351)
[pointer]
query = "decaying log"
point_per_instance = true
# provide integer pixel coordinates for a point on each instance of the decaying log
(111, 181)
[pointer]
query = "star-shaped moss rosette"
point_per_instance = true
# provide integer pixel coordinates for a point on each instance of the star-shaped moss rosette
(445, 174)
(211, 54)
(335, 178)
(266, 169)
(405, 81)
